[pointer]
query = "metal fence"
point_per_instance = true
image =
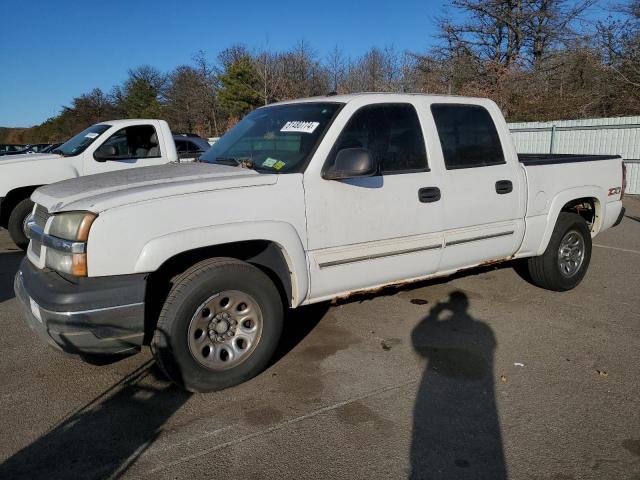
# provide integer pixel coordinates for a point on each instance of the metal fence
(619, 136)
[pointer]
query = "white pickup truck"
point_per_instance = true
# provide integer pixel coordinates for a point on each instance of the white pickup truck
(301, 202)
(104, 147)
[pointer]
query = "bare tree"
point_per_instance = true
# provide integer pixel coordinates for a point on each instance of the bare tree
(619, 40)
(269, 72)
(336, 68)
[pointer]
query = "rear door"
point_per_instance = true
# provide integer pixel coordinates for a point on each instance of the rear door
(371, 231)
(483, 186)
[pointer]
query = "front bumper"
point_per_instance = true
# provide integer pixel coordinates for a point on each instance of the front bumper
(103, 315)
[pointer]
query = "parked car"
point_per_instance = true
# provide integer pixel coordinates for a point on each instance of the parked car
(36, 147)
(104, 147)
(11, 149)
(299, 203)
(32, 148)
(50, 147)
(189, 146)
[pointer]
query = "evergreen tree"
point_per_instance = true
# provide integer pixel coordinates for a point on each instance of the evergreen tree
(240, 92)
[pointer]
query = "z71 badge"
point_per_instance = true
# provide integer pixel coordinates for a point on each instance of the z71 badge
(615, 191)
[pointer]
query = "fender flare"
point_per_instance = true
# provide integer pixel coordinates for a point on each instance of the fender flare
(160, 249)
(566, 196)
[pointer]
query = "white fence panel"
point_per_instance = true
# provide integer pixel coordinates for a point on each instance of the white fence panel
(617, 136)
(633, 177)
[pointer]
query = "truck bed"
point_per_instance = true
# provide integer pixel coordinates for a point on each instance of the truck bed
(534, 159)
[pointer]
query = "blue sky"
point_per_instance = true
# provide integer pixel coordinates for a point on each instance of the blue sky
(54, 50)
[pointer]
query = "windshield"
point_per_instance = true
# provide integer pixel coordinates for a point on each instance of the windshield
(81, 141)
(278, 139)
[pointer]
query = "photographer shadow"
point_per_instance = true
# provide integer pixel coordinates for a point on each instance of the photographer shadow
(456, 430)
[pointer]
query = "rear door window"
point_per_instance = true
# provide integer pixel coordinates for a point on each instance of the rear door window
(468, 136)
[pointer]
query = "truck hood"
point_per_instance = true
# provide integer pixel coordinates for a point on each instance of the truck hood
(97, 193)
(27, 157)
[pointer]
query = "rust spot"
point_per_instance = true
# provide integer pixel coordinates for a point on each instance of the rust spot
(489, 263)
(372, 291)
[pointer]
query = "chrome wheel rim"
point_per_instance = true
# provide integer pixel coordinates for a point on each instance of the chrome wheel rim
(225, 330)
(571, 253)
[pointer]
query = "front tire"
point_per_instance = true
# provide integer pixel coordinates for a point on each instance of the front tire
(566, 259)
(219, 325)
(17, 223)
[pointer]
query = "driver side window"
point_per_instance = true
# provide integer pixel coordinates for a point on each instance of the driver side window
(392, 134)
(138, 141)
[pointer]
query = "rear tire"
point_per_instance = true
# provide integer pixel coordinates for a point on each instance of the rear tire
(566, 259)
(219, 326)
(17, 223)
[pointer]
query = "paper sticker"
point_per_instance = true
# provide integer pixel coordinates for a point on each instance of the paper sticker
(269, 162)
(304, 127)
(91, 135)
(279, 164)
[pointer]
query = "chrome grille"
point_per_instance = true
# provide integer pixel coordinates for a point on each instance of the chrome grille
(40, 216)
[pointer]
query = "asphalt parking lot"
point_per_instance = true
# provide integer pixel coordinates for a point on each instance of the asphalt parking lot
(477, 376)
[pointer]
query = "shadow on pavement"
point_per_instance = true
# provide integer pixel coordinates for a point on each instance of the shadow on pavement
(106, 436)
(456, 430)
(298, 323)
(631, 217)
(9, 263)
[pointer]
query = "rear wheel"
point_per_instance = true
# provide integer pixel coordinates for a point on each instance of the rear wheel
(564, 263)
(219, 326)
(18, 223)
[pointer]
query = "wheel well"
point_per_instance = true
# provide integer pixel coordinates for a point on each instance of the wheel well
(263, 254)
(12, 198)
(588, 208)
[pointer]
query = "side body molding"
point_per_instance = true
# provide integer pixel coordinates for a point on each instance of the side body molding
(160, 249)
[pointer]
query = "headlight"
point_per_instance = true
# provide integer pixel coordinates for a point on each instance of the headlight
(68, 233)
(72, 225)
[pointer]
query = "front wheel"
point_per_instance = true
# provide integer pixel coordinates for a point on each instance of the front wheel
(219, 325)
(18, 223)
(564, 263)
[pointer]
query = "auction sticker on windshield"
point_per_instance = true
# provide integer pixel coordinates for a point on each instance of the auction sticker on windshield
(269, 162)
(91, 135)
(303, 127)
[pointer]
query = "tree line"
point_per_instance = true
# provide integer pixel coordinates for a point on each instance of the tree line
(537, 59)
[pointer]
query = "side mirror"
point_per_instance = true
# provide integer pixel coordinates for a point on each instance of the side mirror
(105, 152)
(352, 163)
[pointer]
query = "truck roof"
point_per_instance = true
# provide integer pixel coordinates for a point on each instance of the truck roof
(128, 121)
(396, 97)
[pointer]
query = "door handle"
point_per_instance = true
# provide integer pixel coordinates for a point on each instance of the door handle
(429, 194)
(504, 186)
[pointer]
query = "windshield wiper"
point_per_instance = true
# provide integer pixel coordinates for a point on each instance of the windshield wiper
(58, 151)
(231, 161)
(235, 162)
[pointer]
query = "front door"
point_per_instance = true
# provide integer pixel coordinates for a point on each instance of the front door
(377, 230)
(134, 146)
